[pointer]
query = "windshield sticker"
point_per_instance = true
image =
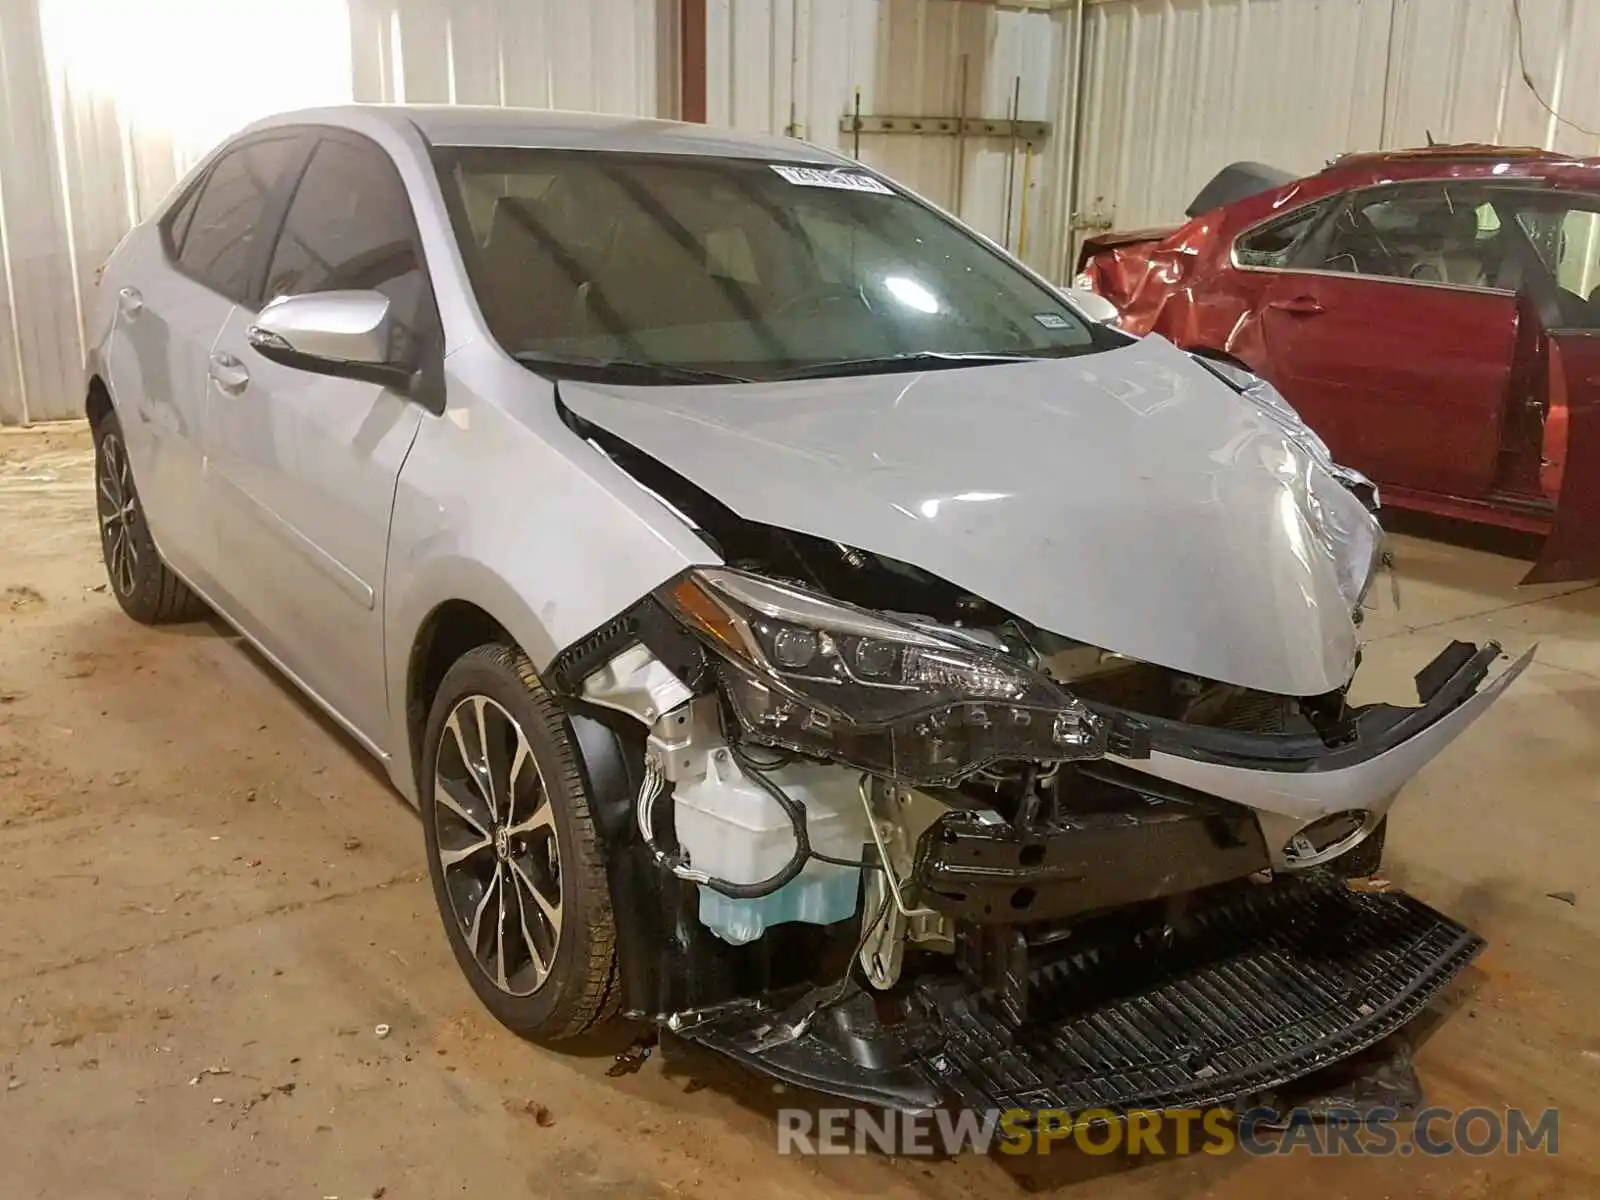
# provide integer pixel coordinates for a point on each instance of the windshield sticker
(843, 180)
(1052, 320)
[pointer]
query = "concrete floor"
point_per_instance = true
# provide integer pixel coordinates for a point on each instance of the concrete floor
(196, 873)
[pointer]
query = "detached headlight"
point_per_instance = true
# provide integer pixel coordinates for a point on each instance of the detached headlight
(928, 705)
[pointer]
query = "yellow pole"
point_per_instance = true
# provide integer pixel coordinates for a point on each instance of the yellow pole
(1022, 226)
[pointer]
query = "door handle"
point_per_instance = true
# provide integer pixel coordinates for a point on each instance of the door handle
(131, 302)
(1300, 306)
(228, 373)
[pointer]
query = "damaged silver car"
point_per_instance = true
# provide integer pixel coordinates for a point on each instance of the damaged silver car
(800, 627)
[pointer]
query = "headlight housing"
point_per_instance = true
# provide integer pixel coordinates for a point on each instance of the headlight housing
(925, 704)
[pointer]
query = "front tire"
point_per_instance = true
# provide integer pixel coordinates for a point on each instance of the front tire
(145, 587)
(512, 850)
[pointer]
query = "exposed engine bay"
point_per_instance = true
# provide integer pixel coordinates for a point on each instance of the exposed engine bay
(909, 847)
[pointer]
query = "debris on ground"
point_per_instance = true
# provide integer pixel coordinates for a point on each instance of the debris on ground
(283, 1089)
(352, 843)
(21, 596)
(1564, 897)
(13, 1084)
(382, 1031)
(541, 1114)
(634, 1057)
(204, 1071)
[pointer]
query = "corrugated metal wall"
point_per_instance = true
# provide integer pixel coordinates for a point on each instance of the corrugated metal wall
(1170, 90)
(795, 66)
(104, 104)
(1175, 89)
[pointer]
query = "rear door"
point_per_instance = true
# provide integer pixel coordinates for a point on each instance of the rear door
(305, 465)
(1392, 329)
(167, 318)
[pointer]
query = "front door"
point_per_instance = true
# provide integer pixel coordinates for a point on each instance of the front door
(1571, 468)
(1391, 332)
(306, 465)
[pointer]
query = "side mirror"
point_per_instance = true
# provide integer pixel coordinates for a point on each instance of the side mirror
(1093, 306)
(344, 334)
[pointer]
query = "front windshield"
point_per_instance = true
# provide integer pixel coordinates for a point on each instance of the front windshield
(747, 269)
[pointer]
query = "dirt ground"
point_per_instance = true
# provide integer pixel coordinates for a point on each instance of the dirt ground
(209, 901)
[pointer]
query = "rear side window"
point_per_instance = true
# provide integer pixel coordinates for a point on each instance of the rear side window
(177, 221)
(223, 240)
(1271, 245)
(350, 226)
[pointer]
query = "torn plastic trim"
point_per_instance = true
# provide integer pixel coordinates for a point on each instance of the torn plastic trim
(1289, 801)
(1377, 729)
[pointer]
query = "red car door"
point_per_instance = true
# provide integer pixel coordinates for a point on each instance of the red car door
(1571, 468)
(1388, 333)
(1404, 381)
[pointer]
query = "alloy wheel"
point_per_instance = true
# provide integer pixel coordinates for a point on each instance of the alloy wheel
(497, 845)
(119, 508)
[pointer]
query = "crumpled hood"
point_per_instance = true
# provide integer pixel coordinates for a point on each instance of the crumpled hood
(1127, 499)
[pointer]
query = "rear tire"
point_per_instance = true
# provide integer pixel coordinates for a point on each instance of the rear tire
(513, 853)
(143, 584)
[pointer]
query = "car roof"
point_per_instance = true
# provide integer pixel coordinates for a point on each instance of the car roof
(483, 125)
(1463, 152)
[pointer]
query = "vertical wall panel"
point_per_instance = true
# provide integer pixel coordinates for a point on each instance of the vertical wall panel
(795, 66)
(103, 109)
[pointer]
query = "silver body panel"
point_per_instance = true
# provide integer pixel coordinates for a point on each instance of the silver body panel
(1127, 499)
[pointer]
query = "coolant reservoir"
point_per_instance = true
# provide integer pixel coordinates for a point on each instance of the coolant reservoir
(732, 829)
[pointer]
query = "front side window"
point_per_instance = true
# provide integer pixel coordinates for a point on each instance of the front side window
(1424, 232)
(746, 268)
(222, 242)
(349, 227)
(1563, 233)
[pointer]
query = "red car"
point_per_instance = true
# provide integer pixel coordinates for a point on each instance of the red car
(1434, 314)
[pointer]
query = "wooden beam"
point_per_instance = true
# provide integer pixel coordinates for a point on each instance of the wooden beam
(692, 63)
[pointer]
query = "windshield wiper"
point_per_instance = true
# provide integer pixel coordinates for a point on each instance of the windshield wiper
(922, 360)
(620, 370)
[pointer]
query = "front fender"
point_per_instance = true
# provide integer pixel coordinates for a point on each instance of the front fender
(502, 506)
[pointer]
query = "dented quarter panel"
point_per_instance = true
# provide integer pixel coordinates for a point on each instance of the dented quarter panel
(1127, 499)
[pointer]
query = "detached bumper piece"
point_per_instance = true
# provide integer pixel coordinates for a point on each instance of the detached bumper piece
(1246, 994)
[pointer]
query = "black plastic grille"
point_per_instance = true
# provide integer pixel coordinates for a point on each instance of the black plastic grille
(1272, 986)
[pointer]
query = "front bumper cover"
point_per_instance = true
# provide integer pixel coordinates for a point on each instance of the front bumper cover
(1292, 781)
(1259, 988)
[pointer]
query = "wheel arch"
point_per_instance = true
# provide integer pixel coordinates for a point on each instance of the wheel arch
(450, 630)
(97, 403)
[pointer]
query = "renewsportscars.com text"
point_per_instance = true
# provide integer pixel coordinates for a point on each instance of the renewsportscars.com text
(1430, 1132)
